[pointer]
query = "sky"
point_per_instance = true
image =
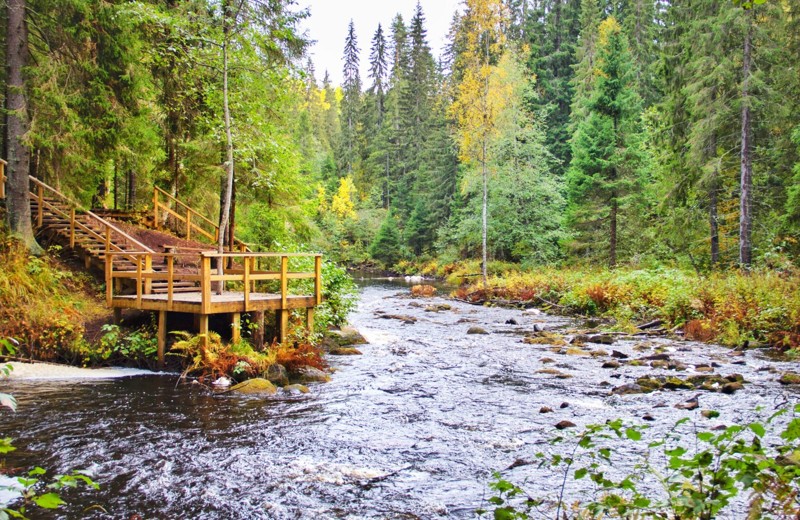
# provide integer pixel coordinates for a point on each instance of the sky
(329, 20)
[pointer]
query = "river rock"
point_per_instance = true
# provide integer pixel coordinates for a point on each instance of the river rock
(604, 339)
(312, 375)
(710, 414)
(346, 336)
(546, 360)
(731, 388)
(789, 378)
(565, 424)
(598, 353)
(611, 364)
(438, 308)
(344, 351)
(579, 339)
(619, 355)
(575, 351)
(691, 404)
(276, 374)
(402, 317)
(629, 389)
(656, 357)
(296, 389)
(564, 405)
(255, 386)
(476, 330)
(648, 417)
(545, 409)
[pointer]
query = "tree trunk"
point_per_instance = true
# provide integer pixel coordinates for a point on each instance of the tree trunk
(226, 207)
(713, 194)
(612, 249)
(485, 221)
(746, 181)
(17, 125)
(131, 199)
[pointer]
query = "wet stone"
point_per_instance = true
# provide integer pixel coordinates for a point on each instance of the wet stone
(296, 389)
(604, 339)
(709, 414)
(731, 388)
(565, 424)
(631, 388)
(789, 378)
(545, 409)
(255, 386)
(401, 317)
(546, 360)
(611, 364)
(691, 404)
(476, 330)
(344, 351)
(313, 375)
(511, 321)
(648, 417)
(598, 353)
(619, 355)
(564, 405)
(277, 375)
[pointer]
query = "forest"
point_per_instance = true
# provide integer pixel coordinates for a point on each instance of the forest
(550, 132)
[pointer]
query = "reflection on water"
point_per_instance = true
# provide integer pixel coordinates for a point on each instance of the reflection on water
(411, 429)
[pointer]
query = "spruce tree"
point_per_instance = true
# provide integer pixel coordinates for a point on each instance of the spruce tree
(351, 101)
(605, 147)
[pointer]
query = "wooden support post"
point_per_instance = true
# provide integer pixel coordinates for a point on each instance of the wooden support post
(72, 228)
(117, 315)
(188, 224)
(162, 337)
(318, 279)
(204, 329)
(257, 319)
(40, 212)
(282, 324)
(236, 327)
(310, 319)
(155, 209)
(108, 239)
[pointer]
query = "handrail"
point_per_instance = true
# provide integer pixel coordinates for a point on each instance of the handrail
(189, 221)
(247, 274)
(108, 225)
(3, 179)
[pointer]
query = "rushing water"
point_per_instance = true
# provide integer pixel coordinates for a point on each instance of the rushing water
(411, 429)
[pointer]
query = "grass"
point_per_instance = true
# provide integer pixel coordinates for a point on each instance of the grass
(732, 308)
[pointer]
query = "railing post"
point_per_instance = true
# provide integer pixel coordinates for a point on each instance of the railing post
(72, 228)
(170, 281)
(109, 281)
(139, 281)
(40, 212)
(155, 209)
(318, 279)
(148, 268)
(246, 285)
(108, 239)
(284, 280)
(188, 224)
(205, 283)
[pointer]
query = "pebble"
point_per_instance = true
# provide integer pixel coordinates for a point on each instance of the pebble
(564, 405)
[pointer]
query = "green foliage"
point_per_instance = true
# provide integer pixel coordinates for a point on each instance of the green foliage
(386, 245)
(699, 477)
(116, 346)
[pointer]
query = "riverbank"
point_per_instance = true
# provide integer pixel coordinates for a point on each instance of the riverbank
(733, 308)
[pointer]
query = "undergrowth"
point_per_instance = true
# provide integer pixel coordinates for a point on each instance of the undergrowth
(732, 308)
(45, 306)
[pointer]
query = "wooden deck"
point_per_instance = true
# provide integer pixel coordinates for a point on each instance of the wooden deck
(226, 283)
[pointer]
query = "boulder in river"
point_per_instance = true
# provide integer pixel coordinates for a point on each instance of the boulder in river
(611, 364)
(789, 378)
(255, 386)
(565, 424)
(312, 375)
(604, 339)
(476, 330)
(344, 351)
(345, 337)
(545, 409)
(619, 355)
(276, 374)
(296, 389)
(630, 388)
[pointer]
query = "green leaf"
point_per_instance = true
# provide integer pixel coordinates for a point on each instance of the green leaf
(48, 501)
(580, 473)
(641, 502)
(758, 429)
(633, 434)
(36, 472)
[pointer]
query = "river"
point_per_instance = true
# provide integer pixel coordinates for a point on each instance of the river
(412, 429)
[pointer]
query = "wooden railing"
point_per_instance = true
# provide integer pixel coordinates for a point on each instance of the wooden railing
(188, 221)
(247, 270)
(3, 179)
(110, 235)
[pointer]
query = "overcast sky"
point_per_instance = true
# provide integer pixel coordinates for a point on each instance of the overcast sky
(329, 19)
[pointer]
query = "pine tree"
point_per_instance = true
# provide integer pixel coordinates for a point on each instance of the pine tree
(605, 147)
(378, 69)
(386, 245)
(351, 102)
